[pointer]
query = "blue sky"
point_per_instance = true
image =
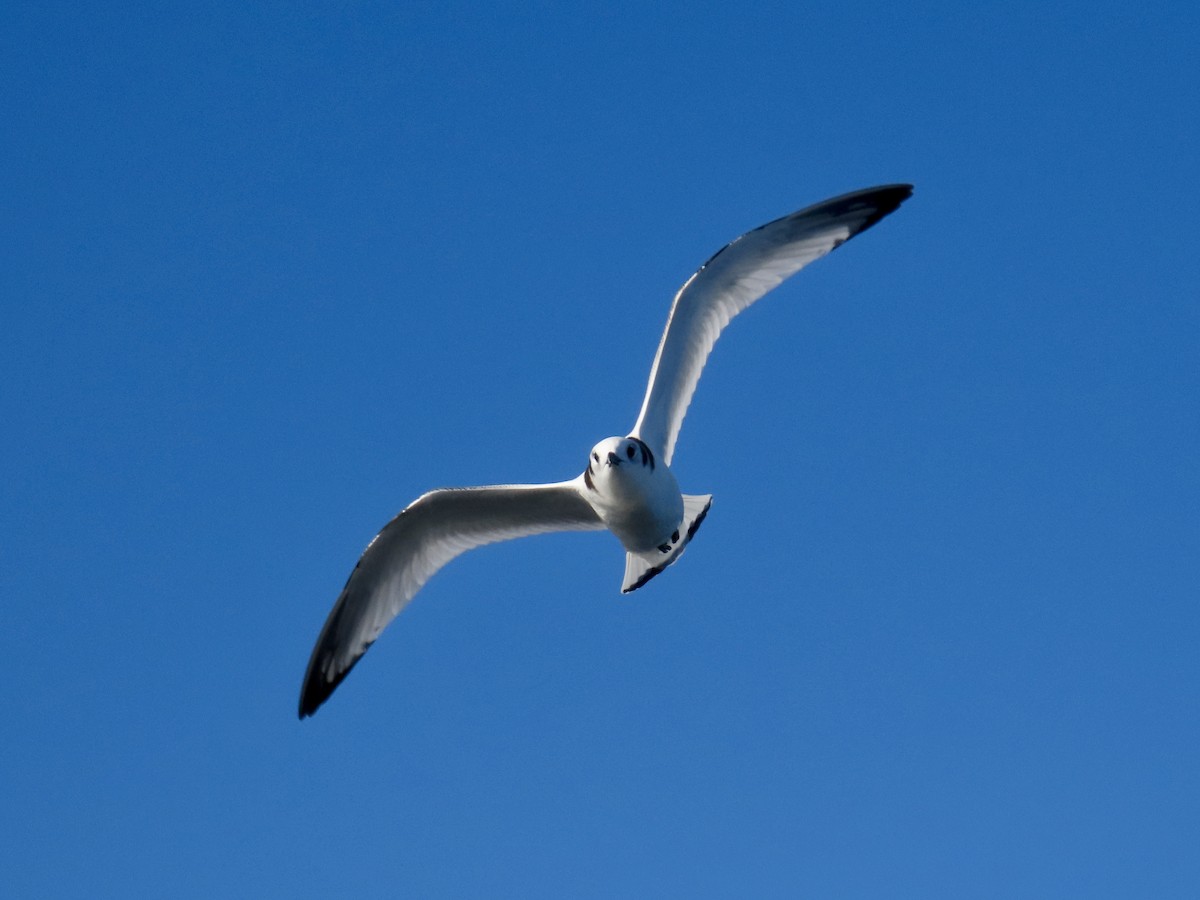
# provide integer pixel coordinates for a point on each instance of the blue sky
(271, 273)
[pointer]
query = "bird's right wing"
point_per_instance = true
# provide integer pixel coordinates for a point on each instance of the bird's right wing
(429, 533)
(733, 278)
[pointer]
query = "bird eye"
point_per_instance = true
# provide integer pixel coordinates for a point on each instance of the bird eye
(629, 451)
(596, 457)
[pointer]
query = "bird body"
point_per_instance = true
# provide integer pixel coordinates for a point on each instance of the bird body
(638, 500)
(627, 486)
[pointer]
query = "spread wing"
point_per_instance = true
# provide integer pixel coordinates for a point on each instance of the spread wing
(736, 276)
(429, 533)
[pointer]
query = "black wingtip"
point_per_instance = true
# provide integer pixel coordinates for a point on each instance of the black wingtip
(883, 201)
(309, 702)
(317, 690)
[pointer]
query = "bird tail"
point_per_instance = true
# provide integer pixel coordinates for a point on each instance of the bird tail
(641, 567)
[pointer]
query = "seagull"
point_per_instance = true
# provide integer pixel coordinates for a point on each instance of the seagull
(628, 486)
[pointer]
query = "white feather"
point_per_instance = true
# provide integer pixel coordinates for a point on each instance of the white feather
(737, 275)
(430, 532)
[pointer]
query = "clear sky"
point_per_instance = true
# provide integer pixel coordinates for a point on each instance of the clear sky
(269, 273)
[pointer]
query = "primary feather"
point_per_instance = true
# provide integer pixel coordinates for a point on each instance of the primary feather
(430, 532)
(734, 277)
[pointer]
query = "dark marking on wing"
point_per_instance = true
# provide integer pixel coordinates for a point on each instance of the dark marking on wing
(650, 573)
(587, 478)
(646, 576)
(700, 518)
(317, 689)
(883, 200)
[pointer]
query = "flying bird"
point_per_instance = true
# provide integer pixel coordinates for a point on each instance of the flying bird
(628, 486)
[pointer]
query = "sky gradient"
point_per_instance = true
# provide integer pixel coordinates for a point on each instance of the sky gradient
(270, 274)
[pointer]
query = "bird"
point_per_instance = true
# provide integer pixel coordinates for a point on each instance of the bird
(627, 486)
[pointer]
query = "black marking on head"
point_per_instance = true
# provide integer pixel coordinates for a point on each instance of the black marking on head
(647, 453)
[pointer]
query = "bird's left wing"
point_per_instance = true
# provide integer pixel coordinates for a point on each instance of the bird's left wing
(736, 276)
(429, 533)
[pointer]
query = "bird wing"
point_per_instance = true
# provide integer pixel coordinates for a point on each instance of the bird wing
(429, 533)
(736, 276)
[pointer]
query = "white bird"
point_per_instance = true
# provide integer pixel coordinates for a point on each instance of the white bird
(628, 486)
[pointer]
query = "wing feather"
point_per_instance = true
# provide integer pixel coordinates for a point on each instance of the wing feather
(732, 279)
(430, 532)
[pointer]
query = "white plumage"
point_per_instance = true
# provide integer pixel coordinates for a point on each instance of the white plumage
(628, 486)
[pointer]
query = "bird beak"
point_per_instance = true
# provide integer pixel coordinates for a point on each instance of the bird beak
(613, 459)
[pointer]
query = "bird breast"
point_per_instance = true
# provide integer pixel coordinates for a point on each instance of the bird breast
(641, 507)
